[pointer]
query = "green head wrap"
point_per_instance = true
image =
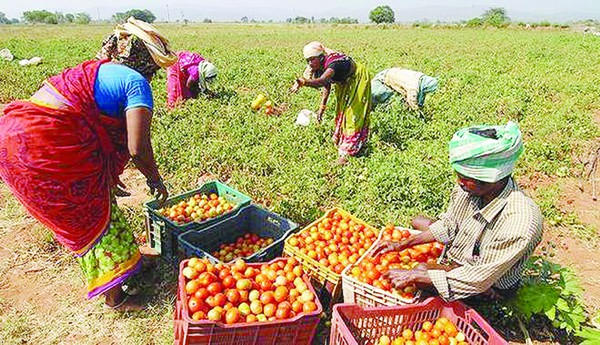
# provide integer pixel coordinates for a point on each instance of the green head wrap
(486, 153)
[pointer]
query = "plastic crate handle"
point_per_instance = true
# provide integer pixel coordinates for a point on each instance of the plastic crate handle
(273, 220)
(477, 322)
(156, 226)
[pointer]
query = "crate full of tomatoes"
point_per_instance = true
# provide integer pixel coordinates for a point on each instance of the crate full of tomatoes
(329, 245)
(243, 303)
(254, 234)
(432, 321)
(193, 210)
(365, 283)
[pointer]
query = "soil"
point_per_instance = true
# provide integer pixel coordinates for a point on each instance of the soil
(135, 183)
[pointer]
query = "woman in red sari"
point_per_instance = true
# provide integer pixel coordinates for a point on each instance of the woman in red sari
(62, 151)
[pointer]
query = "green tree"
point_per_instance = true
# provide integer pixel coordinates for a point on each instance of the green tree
(82, 18)
(3, 19)
(42, 16)
(119, 17)
(144, 15)
(60, 17)
(69, 18)
(495, 16)
(382, 14)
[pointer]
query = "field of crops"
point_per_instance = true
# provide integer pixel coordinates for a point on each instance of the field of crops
(547, 81)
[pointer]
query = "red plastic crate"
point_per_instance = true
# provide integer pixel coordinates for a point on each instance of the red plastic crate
(354, 325)
(297, 330)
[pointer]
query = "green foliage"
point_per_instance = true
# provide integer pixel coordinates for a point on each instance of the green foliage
(551, 290)
(382, 14)
(144, 15)
(475, 22)
(589, 336)
(485, 77)
(495, 16)
(69, 18)
(82, 18)
(42, 16)
(3, 19)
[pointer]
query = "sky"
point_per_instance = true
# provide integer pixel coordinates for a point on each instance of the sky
(279, 10)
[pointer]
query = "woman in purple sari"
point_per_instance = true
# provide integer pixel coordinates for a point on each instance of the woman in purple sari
(188, 77)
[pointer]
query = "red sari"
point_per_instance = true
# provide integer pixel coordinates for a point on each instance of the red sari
(61, 158)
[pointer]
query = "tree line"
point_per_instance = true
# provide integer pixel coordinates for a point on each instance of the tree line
(496, 16)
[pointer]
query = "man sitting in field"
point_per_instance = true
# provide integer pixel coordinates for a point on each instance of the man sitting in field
(490, 228)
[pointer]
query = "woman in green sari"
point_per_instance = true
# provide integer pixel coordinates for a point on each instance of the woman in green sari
(352, 90)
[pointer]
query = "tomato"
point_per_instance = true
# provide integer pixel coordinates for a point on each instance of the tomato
(281, 293)
(199, 315)
(214, 314)
(269, 310)
(233, 296)
(297, 306)
(309, 307)
(232, 316)
(282, 313)
(215, 288)
(192, 286)
(201, 294)
(220, 299)
(267, 297)
(194, 304)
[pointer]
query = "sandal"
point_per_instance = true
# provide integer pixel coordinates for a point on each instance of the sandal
(127, 303)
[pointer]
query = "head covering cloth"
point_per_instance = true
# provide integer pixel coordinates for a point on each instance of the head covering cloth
(486, 153)
(138, 45)
(206, 71)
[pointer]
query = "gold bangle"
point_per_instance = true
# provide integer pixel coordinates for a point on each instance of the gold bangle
(323, 107)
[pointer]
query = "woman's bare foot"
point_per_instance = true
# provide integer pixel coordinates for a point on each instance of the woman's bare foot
(342, 160)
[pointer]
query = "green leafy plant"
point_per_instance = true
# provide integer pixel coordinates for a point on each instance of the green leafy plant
(589, 336)
(552, 290)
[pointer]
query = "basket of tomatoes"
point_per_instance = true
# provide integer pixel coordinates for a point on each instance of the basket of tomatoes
(329, 245)
(243, 303)
(365, 283)
(432, 321)
(254, 234)
(193, 210)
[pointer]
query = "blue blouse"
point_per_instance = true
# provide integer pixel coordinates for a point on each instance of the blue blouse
(119, 88)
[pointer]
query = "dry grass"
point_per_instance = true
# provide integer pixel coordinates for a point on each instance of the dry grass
(42, 293)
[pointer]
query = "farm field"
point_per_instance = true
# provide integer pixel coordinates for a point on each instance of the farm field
(548, 81)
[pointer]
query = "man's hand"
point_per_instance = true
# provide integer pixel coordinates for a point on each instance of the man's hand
(403, 278)
(389, 246)
(421, 223)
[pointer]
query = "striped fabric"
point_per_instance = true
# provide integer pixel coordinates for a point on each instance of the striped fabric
(486, 159)
(490, 243)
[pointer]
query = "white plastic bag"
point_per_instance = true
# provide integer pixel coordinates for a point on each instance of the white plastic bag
(36, 60)
(304, 117)
(5, 54)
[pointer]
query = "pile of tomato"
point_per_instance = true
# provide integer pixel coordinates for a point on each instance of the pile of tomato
(244, 246)
(239, 293)
(441, 332)
(199, 207)
(336, 241)
(371, 270)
